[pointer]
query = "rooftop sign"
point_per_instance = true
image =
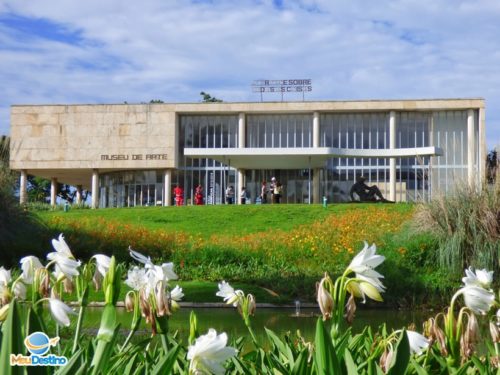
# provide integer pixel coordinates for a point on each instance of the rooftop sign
(282, 86)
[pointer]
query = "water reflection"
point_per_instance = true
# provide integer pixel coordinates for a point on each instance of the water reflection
(278, 320)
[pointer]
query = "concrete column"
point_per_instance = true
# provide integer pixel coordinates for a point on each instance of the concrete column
(79, 194)
(23, 187)
(316, 135)
(241, 183)
(315, 189)
(482, 148)
(95, 188)
(167, 190)
(241, 130)
(392, 161)
(471, 149)
(53, 191)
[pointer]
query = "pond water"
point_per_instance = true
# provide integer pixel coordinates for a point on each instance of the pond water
(280, 320)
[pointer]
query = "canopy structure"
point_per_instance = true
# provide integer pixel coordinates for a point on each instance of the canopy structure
(299, 158)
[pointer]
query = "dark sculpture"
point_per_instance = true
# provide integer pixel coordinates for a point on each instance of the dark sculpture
(366, 193)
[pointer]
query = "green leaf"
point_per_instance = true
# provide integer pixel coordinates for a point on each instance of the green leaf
(300, 367)
(108, 323)
(325, 357)
(73, 364)
(283, 349)
(351, 367)
(165, 364)
(477, 364)
(401, 355)
(12, 340)
(418, 369)
(35, 324)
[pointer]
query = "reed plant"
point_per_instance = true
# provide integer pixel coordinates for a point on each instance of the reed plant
(466, 225)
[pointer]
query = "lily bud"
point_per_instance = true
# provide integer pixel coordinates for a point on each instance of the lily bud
(193, 328)
(469, 337)
(129, 301)
(350, 310)
(174, 306)
(68, 285)
(325, 300)
(251, 304)
(438, 335)
(144, 304)
(97, 280)
(495, 333)
(161, 300)
(386, 360)
(4, 312)
(6, 296)
(44, 284)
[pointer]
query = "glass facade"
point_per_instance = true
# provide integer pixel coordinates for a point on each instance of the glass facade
(130, 189)
(417, 178)
(279, 131)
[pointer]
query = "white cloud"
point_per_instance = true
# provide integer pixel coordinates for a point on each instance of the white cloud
(172, 50)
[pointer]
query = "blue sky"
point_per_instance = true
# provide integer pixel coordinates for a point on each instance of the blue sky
(94, 51)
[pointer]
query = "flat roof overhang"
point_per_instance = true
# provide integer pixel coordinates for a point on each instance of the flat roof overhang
(299, 158)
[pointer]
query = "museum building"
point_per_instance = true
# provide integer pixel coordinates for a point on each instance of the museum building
(135, 154)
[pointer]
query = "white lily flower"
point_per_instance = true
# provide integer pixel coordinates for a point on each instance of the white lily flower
(5, 277)
(136, 278)
(418, 342)
(176, 294)
(366, 259)
(209, 352)
(64, 265)
(102, 263)
(227, 292)
(478, 299)
(165, 272)
(364, 263)
(482, 278)
(59, 311)
(19, 290)
(29, 264)
(140, 258)
(61, 246)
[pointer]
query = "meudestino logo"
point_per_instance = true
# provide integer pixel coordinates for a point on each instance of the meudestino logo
(38, 344)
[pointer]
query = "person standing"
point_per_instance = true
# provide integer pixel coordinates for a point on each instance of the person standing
(272, 186)
(179, 195)
(278, 190)
(198, 195)
(243, 195)
(230, 195)
(263, 192)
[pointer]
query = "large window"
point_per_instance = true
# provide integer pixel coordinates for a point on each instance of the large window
(130, 189)
(279, 131)
(359, 131)
(208, 131)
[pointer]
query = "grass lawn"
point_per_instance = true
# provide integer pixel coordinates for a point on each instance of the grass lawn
(283, 248)
(206, 221)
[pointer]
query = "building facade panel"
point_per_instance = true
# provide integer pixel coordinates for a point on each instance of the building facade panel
(132, 148)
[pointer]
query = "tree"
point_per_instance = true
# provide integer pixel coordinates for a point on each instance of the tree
(156, 101)
(207, 98)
